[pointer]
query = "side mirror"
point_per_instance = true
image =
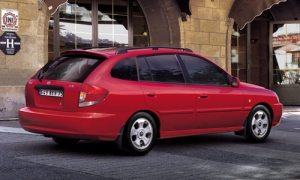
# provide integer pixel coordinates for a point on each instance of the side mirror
(235, 82)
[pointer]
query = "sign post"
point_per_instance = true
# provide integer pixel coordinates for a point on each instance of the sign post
(10, 43)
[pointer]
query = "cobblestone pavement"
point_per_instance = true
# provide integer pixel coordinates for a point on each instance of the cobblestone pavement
(217, 156)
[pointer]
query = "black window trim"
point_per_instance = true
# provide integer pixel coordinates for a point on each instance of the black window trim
(138, 70)
(184, 69)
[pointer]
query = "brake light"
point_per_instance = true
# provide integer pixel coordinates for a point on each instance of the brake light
(91, 95)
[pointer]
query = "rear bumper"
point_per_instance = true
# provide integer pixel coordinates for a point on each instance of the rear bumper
(79, 125)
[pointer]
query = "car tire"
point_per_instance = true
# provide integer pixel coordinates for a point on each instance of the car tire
(140, 134)
(65, 141)
(258, 124)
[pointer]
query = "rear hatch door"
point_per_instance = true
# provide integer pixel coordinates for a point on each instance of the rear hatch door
(57, 85)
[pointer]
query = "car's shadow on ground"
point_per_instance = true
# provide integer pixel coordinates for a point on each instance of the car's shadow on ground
(201, 140)
(170, 145)
(97, 148)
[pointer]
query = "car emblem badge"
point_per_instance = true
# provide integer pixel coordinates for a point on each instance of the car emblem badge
(48, 83)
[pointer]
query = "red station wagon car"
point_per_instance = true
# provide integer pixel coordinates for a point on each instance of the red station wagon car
(134, 96)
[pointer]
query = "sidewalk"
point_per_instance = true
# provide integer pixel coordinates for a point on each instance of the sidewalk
(291, 108)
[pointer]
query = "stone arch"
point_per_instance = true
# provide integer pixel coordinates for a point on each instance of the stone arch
(162, 17)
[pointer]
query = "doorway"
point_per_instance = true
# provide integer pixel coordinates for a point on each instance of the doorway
(249, 51)
(285, 60)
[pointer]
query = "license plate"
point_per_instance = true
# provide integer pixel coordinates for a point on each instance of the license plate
(50, 92)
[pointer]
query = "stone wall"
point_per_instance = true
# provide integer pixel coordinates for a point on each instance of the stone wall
(208, 30)
(15, 70)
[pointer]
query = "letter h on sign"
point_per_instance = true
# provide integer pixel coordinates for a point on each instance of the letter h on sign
(10, 43)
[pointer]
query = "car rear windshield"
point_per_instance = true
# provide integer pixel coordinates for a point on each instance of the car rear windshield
(69, 68)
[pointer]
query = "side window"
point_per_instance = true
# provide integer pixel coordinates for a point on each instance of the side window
(202, 71)
(164, 68)
(125, 69)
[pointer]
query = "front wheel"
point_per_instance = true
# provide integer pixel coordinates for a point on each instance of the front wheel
(140, 133)
(258, 124)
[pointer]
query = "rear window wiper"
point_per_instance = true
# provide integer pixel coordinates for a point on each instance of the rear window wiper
(49, 65)
(43, 70)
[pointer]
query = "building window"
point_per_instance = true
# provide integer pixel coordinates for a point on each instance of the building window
(75, 23)
(286, 53)
(86, 23)
(112, 23)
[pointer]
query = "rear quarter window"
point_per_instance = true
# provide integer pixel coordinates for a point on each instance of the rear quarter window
(125, 69)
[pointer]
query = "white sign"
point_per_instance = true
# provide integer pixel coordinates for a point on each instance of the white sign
(9, 20)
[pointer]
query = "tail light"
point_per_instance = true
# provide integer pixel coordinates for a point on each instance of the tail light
(91, 95)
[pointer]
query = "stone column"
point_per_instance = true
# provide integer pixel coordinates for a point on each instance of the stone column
(15, 70)
(206, 30)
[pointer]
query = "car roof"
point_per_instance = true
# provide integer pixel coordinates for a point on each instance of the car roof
(113, 51)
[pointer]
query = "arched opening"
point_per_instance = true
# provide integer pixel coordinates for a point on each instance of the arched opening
(162, 19)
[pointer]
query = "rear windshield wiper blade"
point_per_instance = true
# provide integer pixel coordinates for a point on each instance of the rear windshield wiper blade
(40, 76)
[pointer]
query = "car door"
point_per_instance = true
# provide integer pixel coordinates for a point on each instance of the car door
(165, 91)
(219, 105)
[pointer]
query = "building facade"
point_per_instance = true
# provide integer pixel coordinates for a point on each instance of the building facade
(250, 53)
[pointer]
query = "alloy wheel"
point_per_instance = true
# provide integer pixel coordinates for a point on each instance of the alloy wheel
(141, 133)
(260, 124)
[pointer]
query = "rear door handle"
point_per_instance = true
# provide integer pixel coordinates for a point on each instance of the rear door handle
(203, 96)
(151, 94)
